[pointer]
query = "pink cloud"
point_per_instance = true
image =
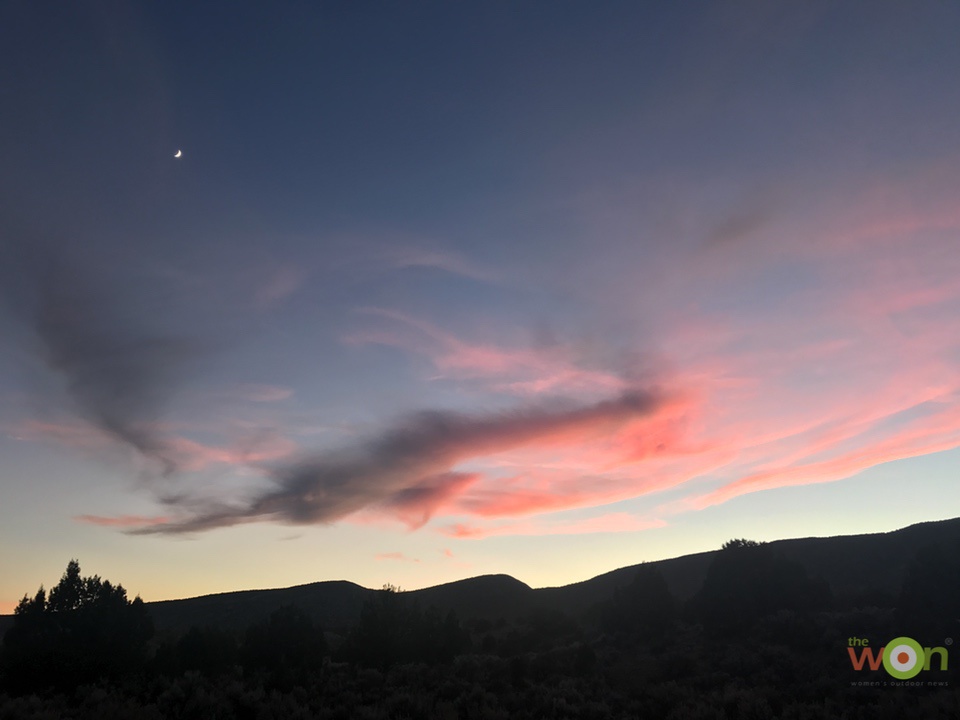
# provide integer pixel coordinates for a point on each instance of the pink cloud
(263, 393)
(798, 359)
(813, 384)
(409, 470)
(518, 371)
(935, 433)
(856, 370)
(610, 523)
(192, 456)
(395, 556)
(123, 521)
(416, 504)
(70, 434)
(819, 382)
(186, 454)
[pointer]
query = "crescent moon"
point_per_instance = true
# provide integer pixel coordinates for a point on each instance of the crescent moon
(178, 153)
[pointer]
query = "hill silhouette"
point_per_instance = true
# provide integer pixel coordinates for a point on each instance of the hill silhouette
(856, 567)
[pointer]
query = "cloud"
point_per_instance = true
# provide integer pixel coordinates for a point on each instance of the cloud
(804, 358)
(936, 432)
(511, 498)
(361, 258)
(609, 523)
(118, 369)
(183, 453)
(410, 467)
(71, 434)
(851, 362)
(395, 556)
(192, 456)
(416, 505)
(278, 285)
(119, 376)
(401, 258)
(738, 226)
(262, 393)
(523, 371)
(123, 521)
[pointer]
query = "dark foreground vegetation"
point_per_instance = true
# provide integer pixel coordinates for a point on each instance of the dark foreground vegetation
(761, 638)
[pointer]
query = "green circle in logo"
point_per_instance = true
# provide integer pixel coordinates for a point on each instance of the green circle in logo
(903, 658)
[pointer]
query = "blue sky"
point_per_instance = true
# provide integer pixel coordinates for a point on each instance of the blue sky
(440, 290)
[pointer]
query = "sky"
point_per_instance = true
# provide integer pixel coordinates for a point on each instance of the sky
(436, 290)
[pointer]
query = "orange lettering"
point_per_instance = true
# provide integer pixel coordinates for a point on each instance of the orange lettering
(865, 655)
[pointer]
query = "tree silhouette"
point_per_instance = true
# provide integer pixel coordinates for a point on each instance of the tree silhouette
(644, 609)
(738, 543)
(85, 629)
(748, 580)
(392, 630)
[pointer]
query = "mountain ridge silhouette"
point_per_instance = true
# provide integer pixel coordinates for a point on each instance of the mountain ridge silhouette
(864, 565)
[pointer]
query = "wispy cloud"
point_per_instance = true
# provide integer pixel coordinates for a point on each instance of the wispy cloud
(609, 523)
(362, 257)
(185, 454)
(261, 393)
(410, 467)
(517, 371)
(69, 434)
(277, 285)
(123, 521)
(851, 364)
(453, 263)
(397, 556)
(118, 367)
(805, 360)
(415, 505)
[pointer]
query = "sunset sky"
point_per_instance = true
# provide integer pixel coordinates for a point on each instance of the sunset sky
(444, 289)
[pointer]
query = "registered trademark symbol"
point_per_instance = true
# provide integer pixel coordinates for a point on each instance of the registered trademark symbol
(948, 641)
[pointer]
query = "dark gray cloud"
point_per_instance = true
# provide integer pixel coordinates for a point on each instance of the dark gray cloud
(409, 467)
(415, 505)
(739, 226)
(118, 368)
